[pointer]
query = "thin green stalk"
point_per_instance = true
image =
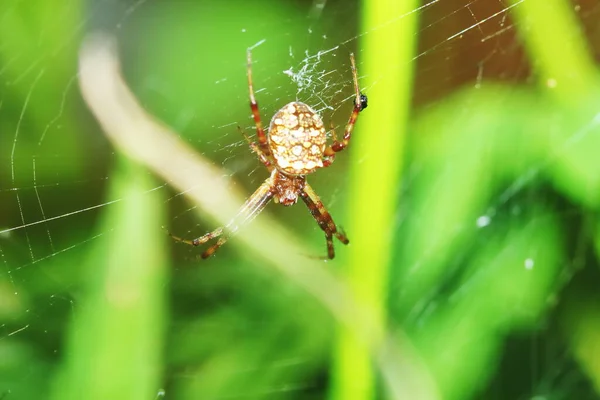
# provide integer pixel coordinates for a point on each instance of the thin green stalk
(114, 347)
(556, 45)
(386, 69)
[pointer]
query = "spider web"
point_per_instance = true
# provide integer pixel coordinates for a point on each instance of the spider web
(186, 63)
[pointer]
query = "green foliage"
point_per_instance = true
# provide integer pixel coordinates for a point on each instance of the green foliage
(114, 343)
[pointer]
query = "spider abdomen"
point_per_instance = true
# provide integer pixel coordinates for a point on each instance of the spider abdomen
(297, 139)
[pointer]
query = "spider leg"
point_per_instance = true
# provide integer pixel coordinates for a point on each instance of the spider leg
(261, 156)
(360, 103)
(251, 208)
(201, 240)
(323, 218)
(328, 160)
(260, 133)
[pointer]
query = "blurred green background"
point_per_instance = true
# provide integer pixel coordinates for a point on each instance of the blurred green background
(470, 195)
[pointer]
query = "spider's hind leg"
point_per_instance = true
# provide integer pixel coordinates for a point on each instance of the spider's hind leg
(203, 239)
(323, 218)
(200, 240)
(251, 208)
(211, 250)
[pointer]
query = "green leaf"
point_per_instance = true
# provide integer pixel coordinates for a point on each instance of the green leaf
(115, 342)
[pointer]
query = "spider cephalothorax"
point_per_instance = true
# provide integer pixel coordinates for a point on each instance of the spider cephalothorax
(296, 146)
(286, 188)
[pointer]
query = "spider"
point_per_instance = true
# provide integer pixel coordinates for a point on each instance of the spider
(295, 147)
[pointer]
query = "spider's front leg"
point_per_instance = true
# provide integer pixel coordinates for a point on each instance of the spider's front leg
(323, 218)
(260, 132)
(360, 103)
(263, 158)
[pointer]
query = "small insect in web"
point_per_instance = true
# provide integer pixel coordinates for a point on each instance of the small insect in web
(295, 147)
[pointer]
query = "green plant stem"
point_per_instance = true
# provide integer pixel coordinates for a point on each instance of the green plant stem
(377, 151)
(114, 347)
(556, 45)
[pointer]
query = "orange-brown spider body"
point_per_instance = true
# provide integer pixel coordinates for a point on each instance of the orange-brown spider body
(295, 147)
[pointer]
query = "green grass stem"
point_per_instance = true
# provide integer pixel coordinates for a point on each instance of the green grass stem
(555, 42)
(386, 66)
(114, 346)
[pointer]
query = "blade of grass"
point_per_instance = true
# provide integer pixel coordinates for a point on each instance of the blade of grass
(556, 45)
(115, 341)
(580, 323)
(377, 148)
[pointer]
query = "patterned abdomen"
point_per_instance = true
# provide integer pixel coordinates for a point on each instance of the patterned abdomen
(297, 139)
